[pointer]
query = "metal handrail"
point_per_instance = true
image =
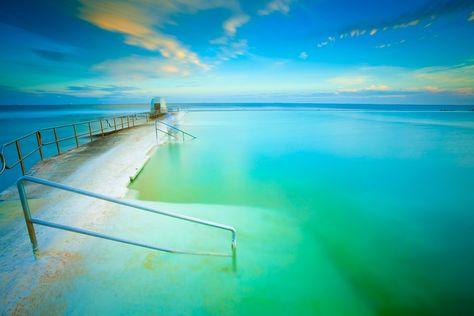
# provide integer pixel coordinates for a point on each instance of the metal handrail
(90, 133)
(164, 132)
(32, 234)
(173, 127)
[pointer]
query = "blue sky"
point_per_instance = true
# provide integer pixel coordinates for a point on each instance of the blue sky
(333, 51)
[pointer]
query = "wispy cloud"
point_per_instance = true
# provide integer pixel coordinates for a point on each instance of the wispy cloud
(372, 89)
(459, 76)
(453, 84)
(431, 11)
(465, 91)
(388, 45)
(330, 39)
(365, 32)
(228, 46)
(345, 81)
(406, 24)
(141, 22)
(427, 25)
(453, 80)
(97, 89)
(303, 55)
(139, 67)
(282, 6)
(233, 50)
(232, 24)
(137, 24)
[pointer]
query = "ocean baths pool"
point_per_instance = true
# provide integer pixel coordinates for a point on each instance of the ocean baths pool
(337, 212)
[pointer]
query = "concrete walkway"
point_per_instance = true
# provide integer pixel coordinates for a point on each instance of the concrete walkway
(103, 166)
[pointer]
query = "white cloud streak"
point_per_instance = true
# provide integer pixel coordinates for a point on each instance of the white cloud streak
(406, 24)
(388, 45)
(141, 22)
(369, 31)
(232, 24)
(138, 25)
(303, 55)
(282, 6)
(139, 68)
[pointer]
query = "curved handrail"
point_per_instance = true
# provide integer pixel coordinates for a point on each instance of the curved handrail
(172, 127)
(164, 132)
(30, 221)
(4, 165)
(175, 128)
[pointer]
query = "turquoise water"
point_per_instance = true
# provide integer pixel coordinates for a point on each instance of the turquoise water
(337, 213)
(18, 120)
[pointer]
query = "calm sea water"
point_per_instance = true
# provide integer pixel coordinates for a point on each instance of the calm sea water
(18, 120)
(337, 213)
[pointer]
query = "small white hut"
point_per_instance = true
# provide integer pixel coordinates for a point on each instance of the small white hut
(158, 105)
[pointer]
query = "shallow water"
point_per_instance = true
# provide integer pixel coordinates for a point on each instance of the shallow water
(337, 213)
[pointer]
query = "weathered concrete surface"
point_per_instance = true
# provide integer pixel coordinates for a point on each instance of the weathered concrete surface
(103, 166)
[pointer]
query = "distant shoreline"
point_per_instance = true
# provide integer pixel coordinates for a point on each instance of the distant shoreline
(126, 108)
(447, 107)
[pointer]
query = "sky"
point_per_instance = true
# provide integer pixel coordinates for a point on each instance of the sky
(328, 51)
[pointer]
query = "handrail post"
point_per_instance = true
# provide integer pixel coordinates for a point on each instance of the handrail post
(40, 144)
(115, 124)
(90, 131)
(101, 127)
(121, 121)
(128, 121)
(56, 140)
(75, 135)
(27, 213)
(20, 158)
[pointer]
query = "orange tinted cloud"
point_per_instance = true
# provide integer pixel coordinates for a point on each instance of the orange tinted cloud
(137, 24)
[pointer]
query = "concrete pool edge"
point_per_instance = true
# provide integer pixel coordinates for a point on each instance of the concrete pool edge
(103, 166)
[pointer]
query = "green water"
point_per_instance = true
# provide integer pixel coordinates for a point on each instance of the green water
(337, 213)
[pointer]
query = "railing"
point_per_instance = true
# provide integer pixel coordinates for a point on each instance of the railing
(164, 132)
(32, 234)
(175, 109)
(90, 129)
(183, 133)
